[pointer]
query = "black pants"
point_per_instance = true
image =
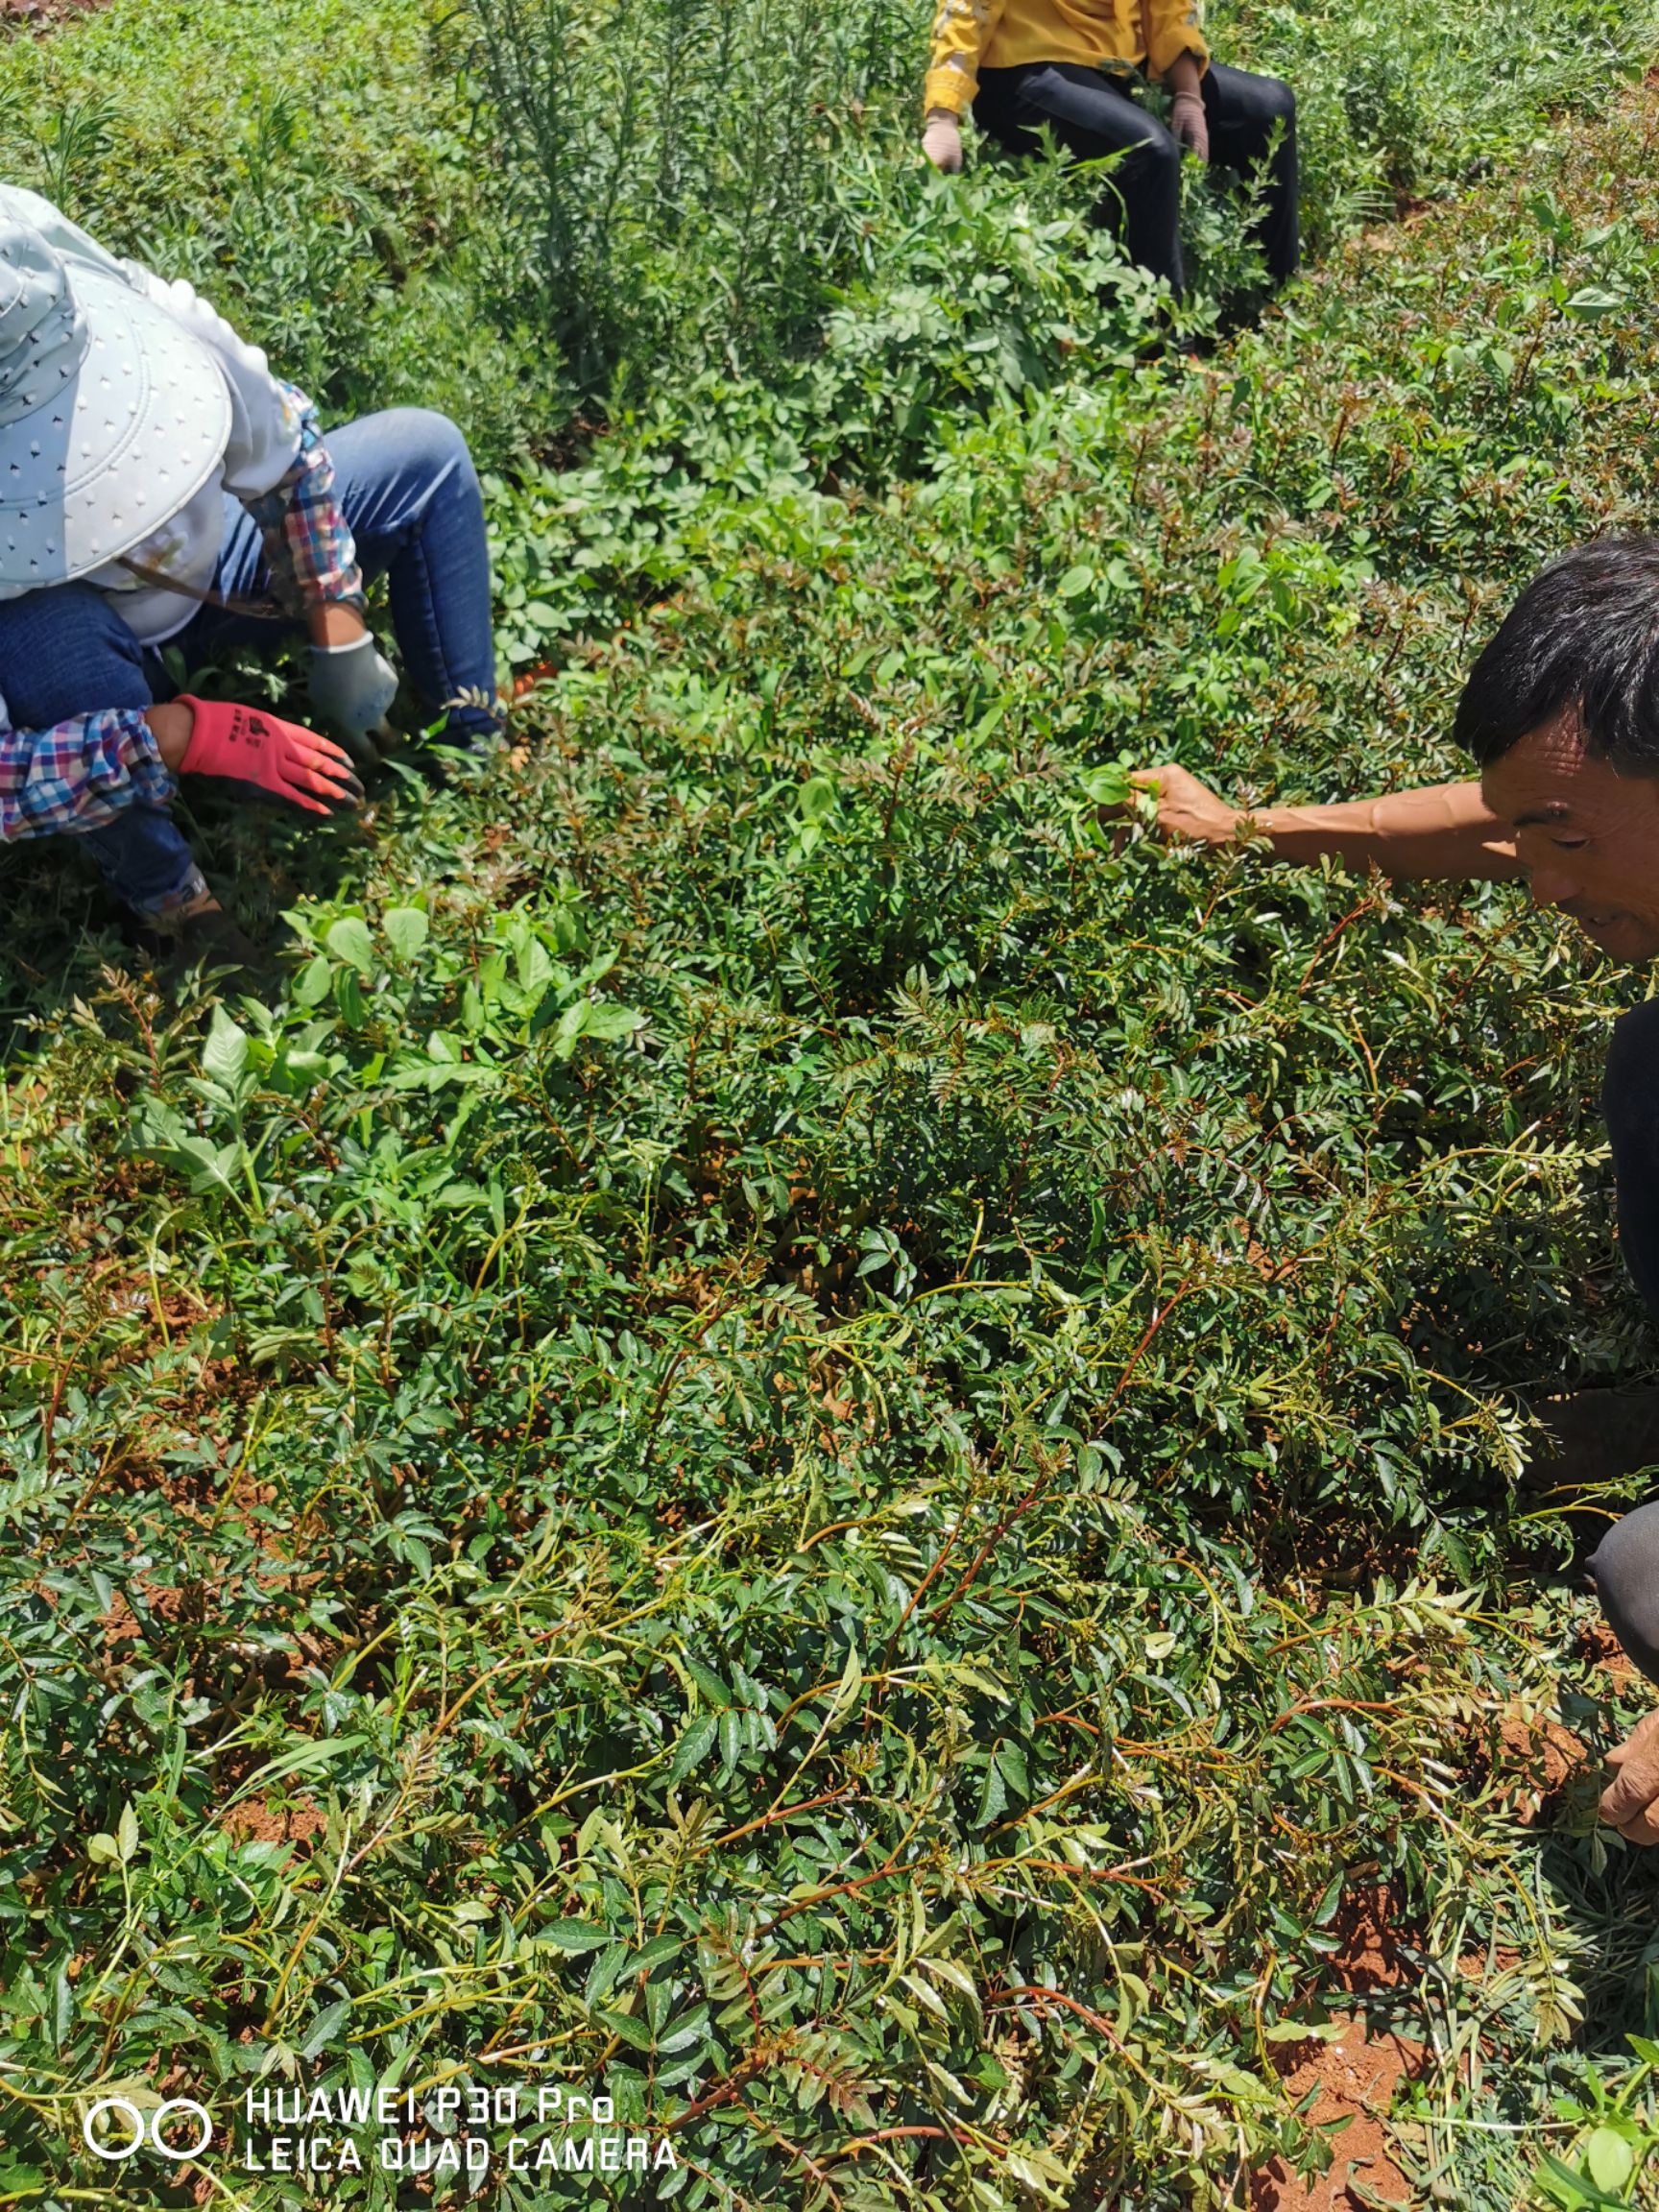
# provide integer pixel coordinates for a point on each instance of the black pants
(1626, 1563)
(1093, 114)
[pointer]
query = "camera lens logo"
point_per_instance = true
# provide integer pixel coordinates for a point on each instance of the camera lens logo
(147, 2131)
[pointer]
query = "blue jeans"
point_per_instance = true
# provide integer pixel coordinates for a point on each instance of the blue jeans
(410, 495)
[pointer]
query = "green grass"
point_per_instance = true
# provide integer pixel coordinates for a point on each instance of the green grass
(791, 1439)
(314, 169)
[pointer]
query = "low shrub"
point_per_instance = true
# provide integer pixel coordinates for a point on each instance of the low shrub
(801, 1432)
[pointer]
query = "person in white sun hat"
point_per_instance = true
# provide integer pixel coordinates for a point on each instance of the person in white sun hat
(161, 486)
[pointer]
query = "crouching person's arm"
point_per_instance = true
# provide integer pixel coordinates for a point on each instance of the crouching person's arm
(106, 779)
(1440, 833)
(80, 773)
(962, 30)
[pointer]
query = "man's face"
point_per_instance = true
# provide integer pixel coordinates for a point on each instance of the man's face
(1587, 836)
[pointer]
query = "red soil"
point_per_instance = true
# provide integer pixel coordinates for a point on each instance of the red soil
(296, 1822)
(1536, 1763)
(1602, 1648)
(41, 15)
(1354, 2080)
(1354, 2077)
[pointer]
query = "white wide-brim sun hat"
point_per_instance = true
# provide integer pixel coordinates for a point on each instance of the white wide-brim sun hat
(112, 416)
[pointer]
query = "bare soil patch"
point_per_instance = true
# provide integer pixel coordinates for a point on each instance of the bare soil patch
(1369, 1959)
(1537, 1762)
(259, 1821)
(1353, 2079)
(1603, 1650)
(42, 15)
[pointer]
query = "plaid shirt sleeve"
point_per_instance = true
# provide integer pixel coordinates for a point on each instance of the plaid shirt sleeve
(78, 775)
(308, 543)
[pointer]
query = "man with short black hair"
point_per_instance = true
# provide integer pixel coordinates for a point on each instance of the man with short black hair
(1561, 712)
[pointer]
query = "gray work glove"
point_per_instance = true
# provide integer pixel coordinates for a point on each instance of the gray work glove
(1189, 124)
(351, 689)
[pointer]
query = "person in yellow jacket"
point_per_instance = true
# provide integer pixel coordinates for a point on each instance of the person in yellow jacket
(1078, 66)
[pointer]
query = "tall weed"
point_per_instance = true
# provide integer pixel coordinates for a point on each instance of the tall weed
(678, 160)
(682, 164)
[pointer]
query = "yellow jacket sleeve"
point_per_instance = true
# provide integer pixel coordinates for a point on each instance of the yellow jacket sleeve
(1174, 27)
(961, 32)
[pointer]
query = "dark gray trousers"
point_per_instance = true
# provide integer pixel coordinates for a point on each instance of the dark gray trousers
(1625, 1564)
(1252, 121)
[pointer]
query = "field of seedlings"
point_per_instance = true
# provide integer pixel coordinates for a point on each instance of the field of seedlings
(793, 1436)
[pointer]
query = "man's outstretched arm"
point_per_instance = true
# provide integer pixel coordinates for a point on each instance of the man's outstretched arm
(1442, 832)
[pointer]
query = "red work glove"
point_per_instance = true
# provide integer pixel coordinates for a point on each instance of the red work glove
(252, 747)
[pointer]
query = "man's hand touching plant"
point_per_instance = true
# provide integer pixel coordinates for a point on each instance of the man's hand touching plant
(351, 684)
(942, 140)
(1444, 832)
(1186, 808)
(1188, 121)
(1630, 1803)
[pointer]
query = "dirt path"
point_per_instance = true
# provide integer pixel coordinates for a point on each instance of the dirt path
(42, 15)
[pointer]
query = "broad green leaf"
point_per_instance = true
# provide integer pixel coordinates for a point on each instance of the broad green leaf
(815, 798)
(1592, 300)
(349, 941)
(1037, 2171)
(572, 1935)
(326, 2027)
(406, 929)
(1012, 1760)
(650, 1955)
(623, 2025)
(850, 1685)
(310, 987)
(1577, 2190)
(993, 1795)
(696, 1741)
(224, 1054)
(569, 1028)
(716, 1691)
(609, 1021)
(606, 1969)
(1609, 2158)
(536, 969)
(1107, 785)
(926, 1994)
